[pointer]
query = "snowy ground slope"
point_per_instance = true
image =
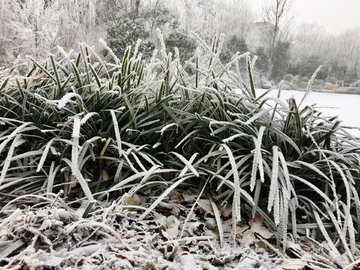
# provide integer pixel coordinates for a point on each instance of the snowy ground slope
(345, 106)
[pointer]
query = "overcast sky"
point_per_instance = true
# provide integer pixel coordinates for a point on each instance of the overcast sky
(334, 15)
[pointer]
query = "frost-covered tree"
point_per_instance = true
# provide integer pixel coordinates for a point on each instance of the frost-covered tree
(309, 49)
(127, 33)
(231, 46)
(197, 16)
(5, 40)
(37, 27)
(234, 17)
(262, 62)
(111, 11)
(278, 16)
(31, 27)
(80, 23)
(281, 60)
(346, 54)
(160, 16)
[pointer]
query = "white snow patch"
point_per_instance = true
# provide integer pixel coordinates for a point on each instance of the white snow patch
(345, 106)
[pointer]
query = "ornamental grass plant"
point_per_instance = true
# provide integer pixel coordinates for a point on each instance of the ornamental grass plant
(101, 131)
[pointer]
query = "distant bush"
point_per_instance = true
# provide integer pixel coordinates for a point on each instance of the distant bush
(332, 80)
(185, 45)
(288, 77)
(127, 32)
(330, 86)
(307, 65)
(319, 82)
(281, 60)
(299, 82)
(263, 62)
(233, 45)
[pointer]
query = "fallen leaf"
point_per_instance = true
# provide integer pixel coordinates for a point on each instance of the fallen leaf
(127, 258)
(220, 259)
(240, 230)
(293, 265)
(164, 206)
(226, 210)
(204, 206)
(195, 227)
(210, 223)
(132, 200)
(190, 195)
(171, 249)
(261, 244)
(256, 227)
(174, 195)
(172, 224)
(175, 211)
(248, 238)
(149, 264)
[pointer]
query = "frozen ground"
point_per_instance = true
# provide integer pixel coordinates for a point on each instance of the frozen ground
(345, 106)
(57, 237)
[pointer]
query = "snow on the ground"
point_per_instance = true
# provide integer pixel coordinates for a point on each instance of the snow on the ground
(345, 106)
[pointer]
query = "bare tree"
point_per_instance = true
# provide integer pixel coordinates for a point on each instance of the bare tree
(134, 13)
(234, 17)
(308, 40)
(345, 53)
(36, 27)
(5, 15)
(278, 15)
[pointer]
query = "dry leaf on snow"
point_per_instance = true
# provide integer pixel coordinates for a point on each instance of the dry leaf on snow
(248, 238)
(256, 227)
(204, 206)
(293, 265)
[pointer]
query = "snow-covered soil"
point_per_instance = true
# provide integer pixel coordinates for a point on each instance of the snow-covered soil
(345, 106)
(45, 233)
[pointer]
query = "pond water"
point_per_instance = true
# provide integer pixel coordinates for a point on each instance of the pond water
(345, 106)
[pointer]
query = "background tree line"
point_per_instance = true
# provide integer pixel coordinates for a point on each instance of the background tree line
(37, 27)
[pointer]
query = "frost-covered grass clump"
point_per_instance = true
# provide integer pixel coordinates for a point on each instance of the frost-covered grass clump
(106, 131)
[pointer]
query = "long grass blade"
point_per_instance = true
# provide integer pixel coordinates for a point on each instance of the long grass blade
(187, 164)
(165, 193)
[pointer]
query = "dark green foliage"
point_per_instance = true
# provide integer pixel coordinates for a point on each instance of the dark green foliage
(337, 69)
(288, 77)
(281, 60)
(332, 80)
(233, 45)
(125, 33)
(263, 62)
(185, 45)
(306, 66)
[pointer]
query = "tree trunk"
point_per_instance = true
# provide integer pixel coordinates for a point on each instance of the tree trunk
(134, 14)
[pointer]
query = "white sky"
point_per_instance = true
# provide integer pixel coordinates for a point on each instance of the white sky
(335, 16)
